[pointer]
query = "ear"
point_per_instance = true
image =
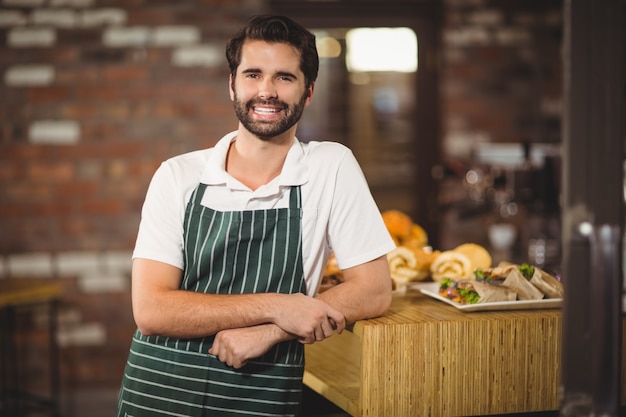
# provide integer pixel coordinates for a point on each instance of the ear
(309, 94)
(230, 87)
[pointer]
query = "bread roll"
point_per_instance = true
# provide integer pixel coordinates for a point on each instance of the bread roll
(477, 254)
(451, 264)
(403, 267)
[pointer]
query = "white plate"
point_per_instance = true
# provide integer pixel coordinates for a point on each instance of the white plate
(431, 289)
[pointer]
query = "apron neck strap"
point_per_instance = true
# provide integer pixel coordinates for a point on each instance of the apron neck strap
(295, 198)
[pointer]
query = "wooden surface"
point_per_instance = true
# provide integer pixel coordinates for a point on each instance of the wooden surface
(332, 370)
(425, 358)
(17, 291)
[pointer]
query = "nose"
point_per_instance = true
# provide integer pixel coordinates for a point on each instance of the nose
(267, 89)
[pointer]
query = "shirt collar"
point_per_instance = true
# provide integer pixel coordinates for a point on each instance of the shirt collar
(294, 172)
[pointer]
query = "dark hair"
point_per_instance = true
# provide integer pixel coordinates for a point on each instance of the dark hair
(276, 29)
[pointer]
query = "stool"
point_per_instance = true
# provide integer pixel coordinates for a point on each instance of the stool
(17, 294)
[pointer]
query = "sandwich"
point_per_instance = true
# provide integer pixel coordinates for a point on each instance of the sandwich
(474, 292)
(511, 276)
(544, 282)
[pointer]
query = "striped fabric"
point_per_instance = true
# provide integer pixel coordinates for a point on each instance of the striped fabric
(225, 253)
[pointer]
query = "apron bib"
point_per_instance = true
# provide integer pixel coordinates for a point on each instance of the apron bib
(238, 252)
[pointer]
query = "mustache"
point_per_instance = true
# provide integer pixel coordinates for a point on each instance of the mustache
(271, 102)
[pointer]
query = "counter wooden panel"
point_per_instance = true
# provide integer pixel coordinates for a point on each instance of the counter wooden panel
(425, 358)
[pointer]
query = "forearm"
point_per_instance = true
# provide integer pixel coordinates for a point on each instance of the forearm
(356, 303)
(366, 292)
(236, 347)
(161, 308)
(187, 314)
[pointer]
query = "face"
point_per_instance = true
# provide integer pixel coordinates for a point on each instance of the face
(268, 90)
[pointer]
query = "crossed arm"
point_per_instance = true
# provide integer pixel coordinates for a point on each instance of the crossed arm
(247, 325)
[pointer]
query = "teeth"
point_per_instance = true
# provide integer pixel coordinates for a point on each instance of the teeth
(266, 110)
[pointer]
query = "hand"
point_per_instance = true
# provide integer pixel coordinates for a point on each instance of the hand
(309, 319)
(235, 347)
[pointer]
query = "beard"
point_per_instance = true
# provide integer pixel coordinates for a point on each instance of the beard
(268, 129)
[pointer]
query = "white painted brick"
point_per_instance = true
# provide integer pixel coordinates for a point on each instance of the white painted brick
(28, 37)
(12, 18)
(72, 3)
(56, 132)
(69, 316)
(201, 55)
(118, 261)
(486, 17)
(23, 3)
(103, 17)
(76, 263)
(30, 264)
(513, 36)
(552, 106)
(126, 36)
(29, 75)
(463, 144)
(468, 36)
(88, 334)
(100, 281)
(64, 18)
(175, 35)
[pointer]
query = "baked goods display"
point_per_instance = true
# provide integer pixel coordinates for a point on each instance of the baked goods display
(410, 264)
(464, 274)
(403, 230)
(412, 259)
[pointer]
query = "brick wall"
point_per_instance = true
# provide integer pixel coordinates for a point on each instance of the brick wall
(501, 73)
(95, 94)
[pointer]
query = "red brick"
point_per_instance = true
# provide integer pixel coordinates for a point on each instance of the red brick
(125, 73)
(51, 93)
(59, 172)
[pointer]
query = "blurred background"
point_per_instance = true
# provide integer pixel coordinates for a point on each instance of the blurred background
(452, 107)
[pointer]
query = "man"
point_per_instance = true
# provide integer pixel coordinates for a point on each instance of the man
(233, 242)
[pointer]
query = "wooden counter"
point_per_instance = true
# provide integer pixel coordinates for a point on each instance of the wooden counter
(426, 358)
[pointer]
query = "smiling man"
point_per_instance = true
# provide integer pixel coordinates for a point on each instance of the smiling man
(233, 242)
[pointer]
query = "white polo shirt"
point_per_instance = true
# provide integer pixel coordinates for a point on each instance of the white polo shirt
(339, 214)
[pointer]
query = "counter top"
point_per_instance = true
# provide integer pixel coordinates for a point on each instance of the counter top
(426, 358)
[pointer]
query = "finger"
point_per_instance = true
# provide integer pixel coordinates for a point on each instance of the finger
(239, 364)
(338, 320)
(327, 328)
(319, 333)
(332, 323)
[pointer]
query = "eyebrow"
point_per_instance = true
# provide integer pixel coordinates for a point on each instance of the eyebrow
(279, 73)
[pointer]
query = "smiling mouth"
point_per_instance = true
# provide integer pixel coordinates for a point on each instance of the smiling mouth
(266, 110)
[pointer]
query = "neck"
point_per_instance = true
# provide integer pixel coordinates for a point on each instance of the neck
(255, 162)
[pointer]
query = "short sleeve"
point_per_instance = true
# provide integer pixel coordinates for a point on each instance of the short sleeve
(356, 231)
(160, 235)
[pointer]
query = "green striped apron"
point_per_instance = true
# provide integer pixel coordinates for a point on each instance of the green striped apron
(254, 251)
